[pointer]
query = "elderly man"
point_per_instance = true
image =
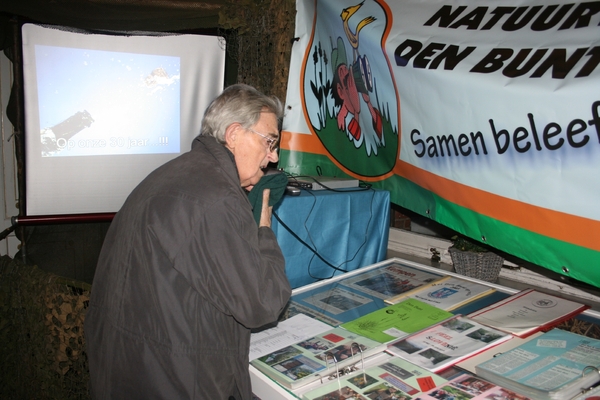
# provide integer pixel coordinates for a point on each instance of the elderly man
(185, 271)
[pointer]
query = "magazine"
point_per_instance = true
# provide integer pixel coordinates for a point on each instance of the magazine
(317, 357)
(397, 321)
(556, 365)
(447, 343)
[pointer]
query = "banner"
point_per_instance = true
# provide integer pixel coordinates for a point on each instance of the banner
(483, 116)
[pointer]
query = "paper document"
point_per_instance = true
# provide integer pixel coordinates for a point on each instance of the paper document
(292, 330)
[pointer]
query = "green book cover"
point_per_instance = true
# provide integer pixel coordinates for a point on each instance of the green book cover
(397, 321)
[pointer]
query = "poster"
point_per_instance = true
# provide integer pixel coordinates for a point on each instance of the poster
(484, 117)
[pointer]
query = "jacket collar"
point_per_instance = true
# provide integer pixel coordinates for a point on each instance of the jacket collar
(223, 156)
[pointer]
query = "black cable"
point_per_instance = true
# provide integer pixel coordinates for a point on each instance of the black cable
(313, 249)
(361, 245)
(315, 252)
(306, 244)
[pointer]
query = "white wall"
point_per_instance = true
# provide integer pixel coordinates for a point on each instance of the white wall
(8, 169)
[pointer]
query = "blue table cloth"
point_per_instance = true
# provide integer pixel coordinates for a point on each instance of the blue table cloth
(324, 233)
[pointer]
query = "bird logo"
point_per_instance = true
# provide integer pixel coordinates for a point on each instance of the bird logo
(353, 78)
(350, 100)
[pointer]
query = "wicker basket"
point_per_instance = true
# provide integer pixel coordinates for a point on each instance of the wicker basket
(485, 266)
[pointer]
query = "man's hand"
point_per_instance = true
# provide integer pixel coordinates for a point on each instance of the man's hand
(265, 214)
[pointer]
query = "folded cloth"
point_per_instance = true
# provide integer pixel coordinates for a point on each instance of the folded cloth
(276, 182)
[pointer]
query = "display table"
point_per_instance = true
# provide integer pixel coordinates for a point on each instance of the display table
(374, 282)
(324, 233)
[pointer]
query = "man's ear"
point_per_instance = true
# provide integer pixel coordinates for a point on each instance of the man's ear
(232, 133)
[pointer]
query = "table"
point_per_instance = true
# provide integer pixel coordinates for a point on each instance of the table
(324, 233)
(266, 388)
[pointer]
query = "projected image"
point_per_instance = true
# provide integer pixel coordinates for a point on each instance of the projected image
(94, 102)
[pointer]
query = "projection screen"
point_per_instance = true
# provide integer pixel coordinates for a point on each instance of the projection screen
(104, 110)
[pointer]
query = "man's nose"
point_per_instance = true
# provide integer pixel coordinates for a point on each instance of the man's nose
(273, 156)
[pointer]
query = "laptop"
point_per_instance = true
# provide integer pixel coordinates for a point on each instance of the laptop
(322, 182)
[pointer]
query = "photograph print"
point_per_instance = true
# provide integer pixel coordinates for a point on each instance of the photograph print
(458, 325)
(280, 355)
(484, 335)
(298, 368)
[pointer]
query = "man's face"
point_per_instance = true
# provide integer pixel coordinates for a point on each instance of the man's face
(251, 150)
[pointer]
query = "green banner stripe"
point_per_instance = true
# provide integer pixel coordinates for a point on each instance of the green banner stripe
(564, 258)
(538, 249)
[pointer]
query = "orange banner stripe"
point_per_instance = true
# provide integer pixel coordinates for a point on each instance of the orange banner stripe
(573, 229)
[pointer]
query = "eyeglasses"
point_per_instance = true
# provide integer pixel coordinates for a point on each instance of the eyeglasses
(271, 143)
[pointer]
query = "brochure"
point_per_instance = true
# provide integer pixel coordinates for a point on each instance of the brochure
(527, 312)
(447, 343)
(397, 321)
(447, 293)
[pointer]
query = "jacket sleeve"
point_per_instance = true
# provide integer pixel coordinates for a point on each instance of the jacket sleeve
(235, 265)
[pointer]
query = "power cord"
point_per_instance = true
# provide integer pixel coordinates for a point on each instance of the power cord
(313, 247)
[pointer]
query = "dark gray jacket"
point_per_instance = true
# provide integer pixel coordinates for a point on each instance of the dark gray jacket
(183, 276)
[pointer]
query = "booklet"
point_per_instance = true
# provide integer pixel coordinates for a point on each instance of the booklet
(359, 294)
(527, 312)
(556, 365)
(447, 343)
(469, 387)
(447, 293)
(317, 357)
(285, 333)
(393, 378)
(397, 321)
